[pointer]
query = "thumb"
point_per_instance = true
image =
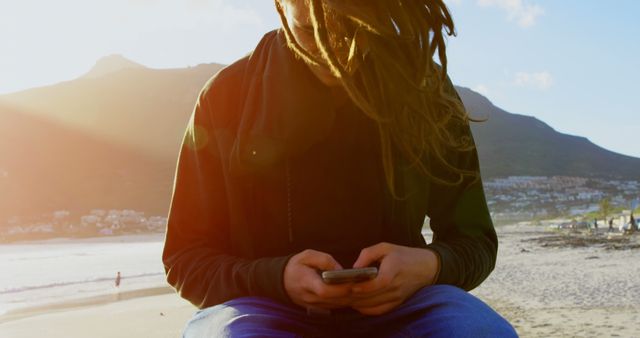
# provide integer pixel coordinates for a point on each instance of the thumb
(371, 255)
(320, 261)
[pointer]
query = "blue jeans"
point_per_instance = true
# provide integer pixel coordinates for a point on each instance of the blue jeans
(434, 311)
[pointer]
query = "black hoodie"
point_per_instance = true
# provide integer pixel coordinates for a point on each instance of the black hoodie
(272, 164)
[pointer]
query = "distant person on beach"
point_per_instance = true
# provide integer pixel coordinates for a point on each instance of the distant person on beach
(595, 224)
(118, 279)
(633, 225)
(611, 225)
(324, 149)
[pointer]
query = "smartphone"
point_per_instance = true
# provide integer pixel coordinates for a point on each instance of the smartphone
(349, 275)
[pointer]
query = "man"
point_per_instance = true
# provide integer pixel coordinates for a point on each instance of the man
(282, 175)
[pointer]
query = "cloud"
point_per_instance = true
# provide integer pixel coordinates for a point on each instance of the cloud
(482, 89)
(523, 13)
(541, 80)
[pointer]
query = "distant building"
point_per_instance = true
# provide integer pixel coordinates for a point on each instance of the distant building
(98, 212)
(61, 214)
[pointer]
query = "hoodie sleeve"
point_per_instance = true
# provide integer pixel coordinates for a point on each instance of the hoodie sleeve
(197, 254)
(463, 234)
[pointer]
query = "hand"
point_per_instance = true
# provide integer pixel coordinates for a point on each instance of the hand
(306, 288)
(403, 271)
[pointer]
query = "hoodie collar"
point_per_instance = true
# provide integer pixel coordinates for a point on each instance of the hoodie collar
(286, 108)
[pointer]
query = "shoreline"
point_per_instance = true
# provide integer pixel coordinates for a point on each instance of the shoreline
(154, 237)
(122, 238)
(74, 304)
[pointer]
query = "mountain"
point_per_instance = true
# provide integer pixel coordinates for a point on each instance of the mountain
(110, 64)
(135, 107)
(45, 166)
(512, 144)
(110, 139)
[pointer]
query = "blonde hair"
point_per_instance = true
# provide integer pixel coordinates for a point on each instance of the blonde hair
(383, 54)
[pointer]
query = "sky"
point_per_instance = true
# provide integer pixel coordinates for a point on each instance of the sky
(573, 63)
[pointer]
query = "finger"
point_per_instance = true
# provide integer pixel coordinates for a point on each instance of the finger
(377, 310)
(382, 281)
(311, 301)
(377, 300)
(369, 294)
(319, 260)
(312, 283)
(370, 255)
(329, 305)
(311, 298)
(326, 291)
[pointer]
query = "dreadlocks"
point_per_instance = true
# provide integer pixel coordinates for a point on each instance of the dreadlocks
(383, 54)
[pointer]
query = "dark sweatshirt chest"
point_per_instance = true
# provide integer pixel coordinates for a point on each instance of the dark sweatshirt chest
(329, 197)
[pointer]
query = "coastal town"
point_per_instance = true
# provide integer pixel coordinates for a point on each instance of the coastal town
(97, 222)
(510, 200)
(536, 198)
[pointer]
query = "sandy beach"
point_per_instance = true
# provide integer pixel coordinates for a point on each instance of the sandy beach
(145, 316)
(558, 284)
(546, 283)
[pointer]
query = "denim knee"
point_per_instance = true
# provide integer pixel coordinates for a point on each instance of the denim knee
(247, 317)
(453, 312)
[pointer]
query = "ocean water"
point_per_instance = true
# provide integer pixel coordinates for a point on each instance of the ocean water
(60, 270)
(55, 271)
